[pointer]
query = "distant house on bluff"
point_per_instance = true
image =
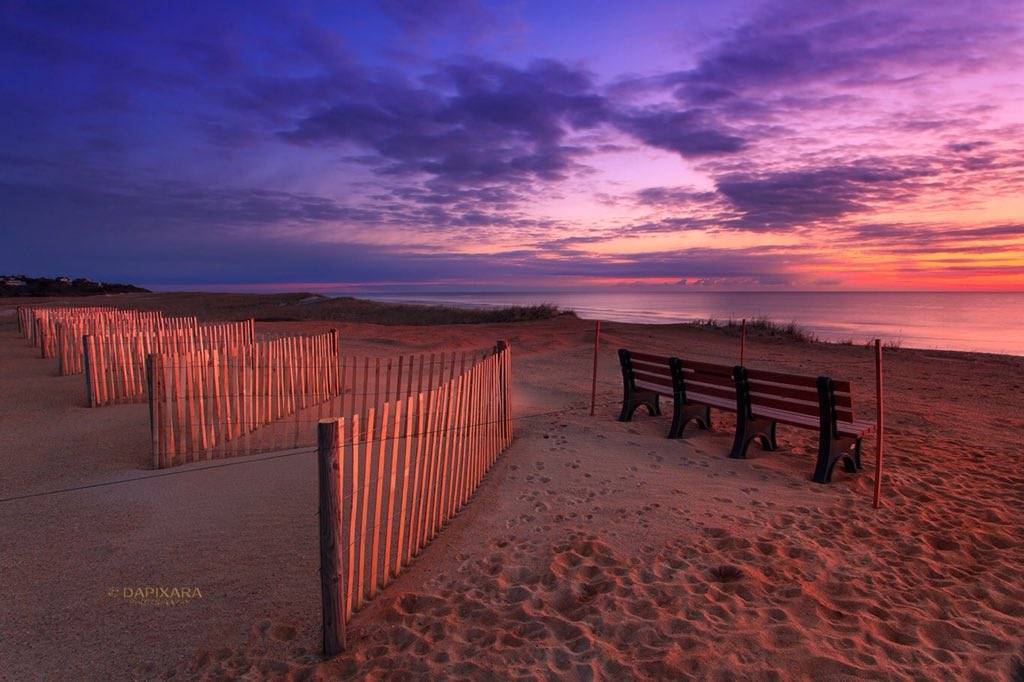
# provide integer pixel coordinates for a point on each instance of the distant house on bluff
(22, 285)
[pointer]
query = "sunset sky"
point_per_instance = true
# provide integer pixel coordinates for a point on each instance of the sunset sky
(467, 145)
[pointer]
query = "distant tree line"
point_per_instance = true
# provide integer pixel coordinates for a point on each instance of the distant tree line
(23, 285)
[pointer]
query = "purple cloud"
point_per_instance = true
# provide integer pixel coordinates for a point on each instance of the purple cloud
(687, 133)
(793, 198)
(470, 123)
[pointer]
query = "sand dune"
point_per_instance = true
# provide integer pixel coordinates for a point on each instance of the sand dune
(594, 549)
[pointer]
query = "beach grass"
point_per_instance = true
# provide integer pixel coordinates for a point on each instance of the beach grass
(361, 310)
(763, 327)
(305, 307)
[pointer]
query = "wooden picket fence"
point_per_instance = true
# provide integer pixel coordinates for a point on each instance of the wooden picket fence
(218, 402)
(390, 478)
(70, 335)
(270, 396)
(115, 363)
(27, 315)
(41, 323)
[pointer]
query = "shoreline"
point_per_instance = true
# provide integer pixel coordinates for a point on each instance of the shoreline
(304, 307)
(819, 329)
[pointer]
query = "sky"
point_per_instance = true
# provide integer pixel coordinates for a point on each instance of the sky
(468, 145)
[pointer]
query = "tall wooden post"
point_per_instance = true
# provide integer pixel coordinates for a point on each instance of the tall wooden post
(593, 376)
(330, 435)
(153, 431)
(88, 373)
(743, 340)
(879, 423)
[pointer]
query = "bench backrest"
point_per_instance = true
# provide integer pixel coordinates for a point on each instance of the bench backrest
(827, 399)
(693, 378)
(651, 370)
(823, 397)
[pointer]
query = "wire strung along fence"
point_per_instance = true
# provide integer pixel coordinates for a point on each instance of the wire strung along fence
(270, 395)
(392, 476)
(70, 355)
(115, 364)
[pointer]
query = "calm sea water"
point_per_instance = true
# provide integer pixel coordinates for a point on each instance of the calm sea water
(987, 322)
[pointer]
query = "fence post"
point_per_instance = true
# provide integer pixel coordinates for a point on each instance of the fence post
(330, 435)
(85, 369)
(593, 377)
(504, 387)
(879, 416)
(743, 340)
(153, 429)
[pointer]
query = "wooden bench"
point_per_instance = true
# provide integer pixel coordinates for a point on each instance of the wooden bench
(645, 378)
(695, 387)
(764, 399)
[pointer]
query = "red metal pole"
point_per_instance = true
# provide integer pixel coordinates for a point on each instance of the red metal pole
(879, 426)
(593, 383)
(743, 339)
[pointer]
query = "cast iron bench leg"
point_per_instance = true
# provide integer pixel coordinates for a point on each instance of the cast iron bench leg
(830, 451)
(683, 413)
(630, 403)
(749, 429)
(678, 418)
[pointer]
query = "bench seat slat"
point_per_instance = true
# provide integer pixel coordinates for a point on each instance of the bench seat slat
(857, 429)
(853, 429)
(713, 401)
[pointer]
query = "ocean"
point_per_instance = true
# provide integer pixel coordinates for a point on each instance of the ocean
(967, 321)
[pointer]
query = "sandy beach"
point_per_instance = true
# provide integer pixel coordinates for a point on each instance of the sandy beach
(594, 549)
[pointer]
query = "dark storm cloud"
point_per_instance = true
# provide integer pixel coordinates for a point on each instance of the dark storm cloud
(672, 196)
(165, 206)
(932, 237)
(470, 123)
(967, 146)
(787, 199)
(690, 133)
(477, 122)
(792, 45)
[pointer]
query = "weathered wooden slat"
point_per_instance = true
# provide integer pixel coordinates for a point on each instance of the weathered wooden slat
(648, 357)
(794, 379)
(379, 511)
(657, 379)
(706, 367)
